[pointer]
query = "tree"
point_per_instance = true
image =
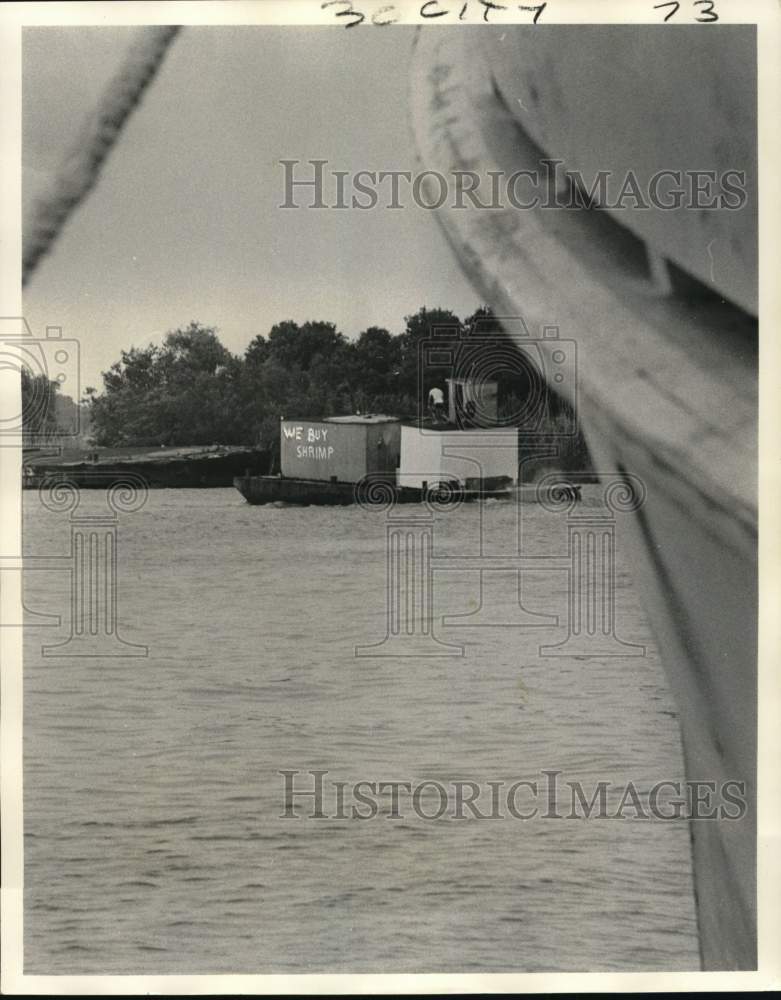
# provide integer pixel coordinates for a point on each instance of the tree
(418, 369)
(39, 407)
(195, 349)
(376, 361)
(257, 351)
(483, 319)
(180, 393)
(302, 345)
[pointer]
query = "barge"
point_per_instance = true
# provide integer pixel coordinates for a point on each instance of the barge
(194, 467)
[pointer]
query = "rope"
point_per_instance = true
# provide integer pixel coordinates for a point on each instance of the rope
(80, 169)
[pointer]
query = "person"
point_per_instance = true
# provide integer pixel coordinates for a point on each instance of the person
(436, 404)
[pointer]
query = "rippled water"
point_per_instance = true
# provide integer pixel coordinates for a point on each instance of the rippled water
(155, 840)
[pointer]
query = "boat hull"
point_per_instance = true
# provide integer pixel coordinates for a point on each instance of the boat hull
(698, 579)
(259, 490)
(199, 470)
(664, 379)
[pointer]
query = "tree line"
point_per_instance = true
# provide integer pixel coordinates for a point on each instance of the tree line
(191, 390)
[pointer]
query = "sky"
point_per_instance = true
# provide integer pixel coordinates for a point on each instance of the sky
(185, 225)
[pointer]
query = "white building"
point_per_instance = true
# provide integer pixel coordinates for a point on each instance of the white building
(430, 456)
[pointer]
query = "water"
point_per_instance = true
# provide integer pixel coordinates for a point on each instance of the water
(154, 835)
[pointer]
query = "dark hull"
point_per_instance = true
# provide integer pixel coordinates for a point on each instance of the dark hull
(276, 489)
(181, 473)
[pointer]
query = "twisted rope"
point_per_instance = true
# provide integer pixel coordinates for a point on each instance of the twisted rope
(80, 169)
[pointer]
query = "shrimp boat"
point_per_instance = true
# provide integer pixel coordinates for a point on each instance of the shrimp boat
(662, 307)
(374, 459)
